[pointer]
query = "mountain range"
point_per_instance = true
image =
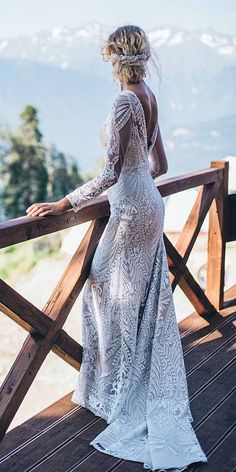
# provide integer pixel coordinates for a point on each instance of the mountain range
(62, 73)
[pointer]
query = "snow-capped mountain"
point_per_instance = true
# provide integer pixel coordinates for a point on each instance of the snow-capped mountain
(62, 73)
(65, 47)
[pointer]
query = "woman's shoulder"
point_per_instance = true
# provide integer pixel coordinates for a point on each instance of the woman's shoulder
(121, 108)
(122, 99)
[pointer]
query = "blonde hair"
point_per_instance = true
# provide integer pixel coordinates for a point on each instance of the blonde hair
(129, 40)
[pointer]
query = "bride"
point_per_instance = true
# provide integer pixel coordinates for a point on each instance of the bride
(132, 372)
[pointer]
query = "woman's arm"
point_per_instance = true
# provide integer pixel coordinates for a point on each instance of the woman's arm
(116, 147)
(158, 160)
(118, 141)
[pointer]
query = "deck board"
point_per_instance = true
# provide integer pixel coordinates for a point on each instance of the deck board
(223, 457)
(38, 424)
(57, 439)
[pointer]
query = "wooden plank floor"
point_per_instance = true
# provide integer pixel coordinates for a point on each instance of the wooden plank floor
(57, 439)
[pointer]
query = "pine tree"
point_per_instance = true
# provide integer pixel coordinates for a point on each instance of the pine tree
(24, 171)
(63, 174)
(32, 172)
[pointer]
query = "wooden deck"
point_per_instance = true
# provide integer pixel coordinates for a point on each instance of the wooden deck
(57, 439)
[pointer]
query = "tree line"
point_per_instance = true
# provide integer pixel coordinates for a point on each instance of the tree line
(30, 170)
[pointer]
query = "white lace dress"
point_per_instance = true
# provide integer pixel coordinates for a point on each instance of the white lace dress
(133, 372)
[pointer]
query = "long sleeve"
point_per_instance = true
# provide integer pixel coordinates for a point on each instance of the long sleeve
(118, 137)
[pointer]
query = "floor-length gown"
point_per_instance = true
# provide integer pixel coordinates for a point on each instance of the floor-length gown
(133, 373)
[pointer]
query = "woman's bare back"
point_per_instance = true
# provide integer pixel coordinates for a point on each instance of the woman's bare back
(149, 104)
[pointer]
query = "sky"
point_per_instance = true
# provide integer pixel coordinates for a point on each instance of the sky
(27, 17)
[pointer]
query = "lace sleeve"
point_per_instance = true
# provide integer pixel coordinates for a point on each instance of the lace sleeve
(119, 132)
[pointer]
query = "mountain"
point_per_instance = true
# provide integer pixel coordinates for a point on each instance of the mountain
(69, 116)
(62, 73)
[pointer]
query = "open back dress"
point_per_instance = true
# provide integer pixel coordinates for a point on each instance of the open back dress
(133, 373)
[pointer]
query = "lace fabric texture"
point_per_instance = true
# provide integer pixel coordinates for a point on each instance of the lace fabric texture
(133, 373)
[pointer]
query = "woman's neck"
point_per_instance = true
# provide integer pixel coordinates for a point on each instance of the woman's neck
(127, 85)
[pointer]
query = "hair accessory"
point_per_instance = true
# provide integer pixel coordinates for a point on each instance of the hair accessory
(131, 58)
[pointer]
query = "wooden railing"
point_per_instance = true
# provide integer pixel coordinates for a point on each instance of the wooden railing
(45, 327)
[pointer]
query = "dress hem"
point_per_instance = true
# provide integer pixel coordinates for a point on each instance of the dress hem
(145, 466)
(95, 444)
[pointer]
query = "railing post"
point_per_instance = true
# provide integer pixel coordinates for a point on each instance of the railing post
(217, 239)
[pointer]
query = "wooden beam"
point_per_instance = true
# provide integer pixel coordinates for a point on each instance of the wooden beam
(187, 283)
(36, 347)
(184, 182)
(218, 223)
(34, 321)
(25, 228)
(193, 225)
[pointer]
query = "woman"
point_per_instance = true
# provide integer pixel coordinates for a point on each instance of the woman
(133, 373)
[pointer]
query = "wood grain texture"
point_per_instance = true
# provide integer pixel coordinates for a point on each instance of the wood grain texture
(25, 228)
(58, 437)
(37, 346)
(217, 236)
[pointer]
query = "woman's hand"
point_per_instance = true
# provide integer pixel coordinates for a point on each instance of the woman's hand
(53, 208)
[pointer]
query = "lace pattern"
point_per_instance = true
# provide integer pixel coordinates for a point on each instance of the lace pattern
(133, 372)
(116, 144)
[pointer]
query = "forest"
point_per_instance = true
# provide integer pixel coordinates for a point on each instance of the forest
(31, 170)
